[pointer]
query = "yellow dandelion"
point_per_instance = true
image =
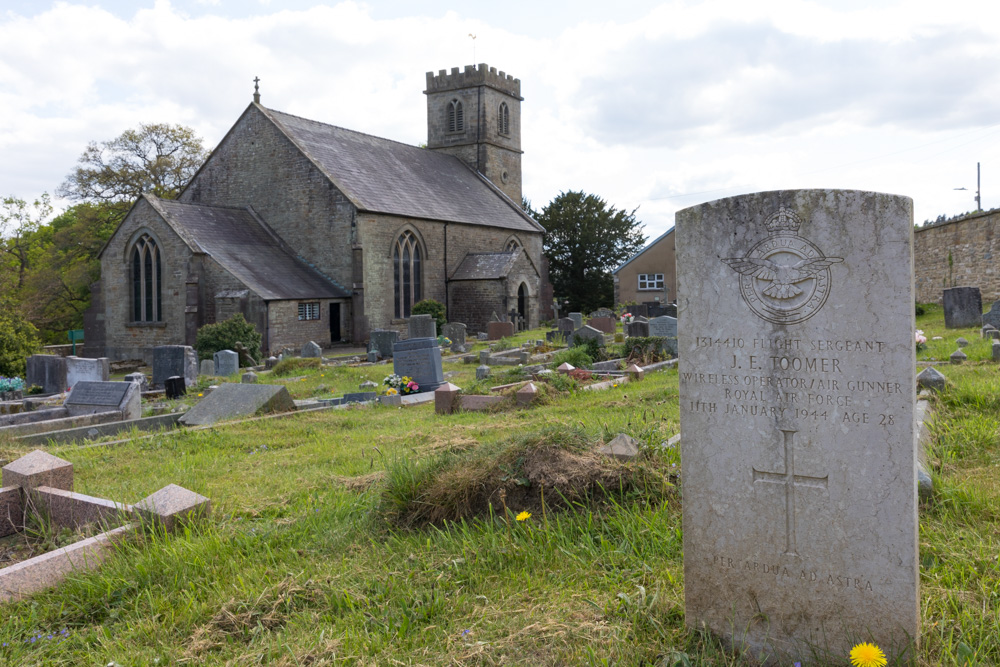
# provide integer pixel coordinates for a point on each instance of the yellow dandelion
(524, 516)
(200, 395)
(867, 655)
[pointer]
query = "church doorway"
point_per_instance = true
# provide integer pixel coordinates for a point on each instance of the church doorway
(335, 336)
(522, 301)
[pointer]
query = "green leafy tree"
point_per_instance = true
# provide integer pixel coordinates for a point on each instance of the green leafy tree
(20, 223)
(18, 338)
(585, 240)
(433, 308)
(156, 158)
(224, 335)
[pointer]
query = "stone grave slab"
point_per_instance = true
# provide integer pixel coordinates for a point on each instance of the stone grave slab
(604, 324)
(47, 371)
(421, 326)
(310, 350)
(80, 369)
(992, 317)
(227, 362)
(88, 398)
(360, 396)
(420, 359)
(233, 400)
(172, 505)
(382, 341)
(171, 360)
(963, 307)
(39, 468)
(498, 330)
(797, 408)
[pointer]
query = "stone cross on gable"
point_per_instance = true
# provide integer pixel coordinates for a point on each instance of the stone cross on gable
(790, 480)
(256, 89)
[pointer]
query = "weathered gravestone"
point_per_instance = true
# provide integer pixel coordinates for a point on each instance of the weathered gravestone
(170, 360)
(93, 397)
(79, 369)
(797, 408)
(586, 333)
(227, 362)
(605, 324)
(420, 359)
(566, 326)
(232, 400)
(455, 332)
(498, 330)
(665, 326)
(421, 326)
(310, 350)
(48, 372)
(207, 367)
(577, 320)
(992, 318)
(637, 329)
(382, 341)
(963, 307)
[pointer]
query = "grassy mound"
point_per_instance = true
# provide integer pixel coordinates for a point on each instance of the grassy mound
(294, 365)
(551, 469)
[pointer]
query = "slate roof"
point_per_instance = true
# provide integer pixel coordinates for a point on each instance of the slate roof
(485, 266)
(383, 176)
(246, 247)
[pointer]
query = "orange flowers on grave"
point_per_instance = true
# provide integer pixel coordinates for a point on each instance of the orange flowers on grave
(867, 655)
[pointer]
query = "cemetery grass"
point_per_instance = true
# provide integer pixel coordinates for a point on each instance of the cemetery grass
(298, 565)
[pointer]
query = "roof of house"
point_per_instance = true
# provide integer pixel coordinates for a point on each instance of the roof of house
(650, 245)
(485, 265)
(247, 248)
(384, 176)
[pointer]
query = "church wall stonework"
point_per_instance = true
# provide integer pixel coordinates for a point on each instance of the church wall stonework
(958, 253)
(125, 339)
(287, 331)
(257, 165)
(473, 302)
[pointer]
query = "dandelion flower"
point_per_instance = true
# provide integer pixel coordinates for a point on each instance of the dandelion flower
(867, 655)
(524, 516)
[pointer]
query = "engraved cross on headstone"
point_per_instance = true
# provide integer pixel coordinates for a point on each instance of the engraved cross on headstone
(790, 480)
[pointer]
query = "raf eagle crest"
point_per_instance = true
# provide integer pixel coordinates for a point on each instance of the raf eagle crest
(784, 279)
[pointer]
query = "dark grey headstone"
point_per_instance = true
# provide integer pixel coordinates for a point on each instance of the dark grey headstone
(139, 379)
(421, 326)
(637, 329)
(311, 350)
(79, 369)
(963, 307)
(566, 325)
(577, 320)
(271, 362)
(174, 386)
(455, 332)
(482, 335)
(482, 372)
(372, 356)
(249, 378)
(233, 400)
(992, 318)
(958, 357)
(555, 336)
(663, 326)
(360, 396)
(961, 342)
(931, 378)
(92, 397)
(588, 333)
(170, 360)
(420, 359)
(227, 362)
(382, 341)
(47, 371)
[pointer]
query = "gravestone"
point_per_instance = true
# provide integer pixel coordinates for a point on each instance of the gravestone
(421, 326)
(92, 397)
(79, 369)
(420, 359)
(482, 372)
(174, 386)
(207, 367)
(170, 360)
(585, 333)
(372, 356)
(577, 320)
(797, 408)
(271, 362)
(139, 379)
(310, 350)
(249, 378)
(455, 332)
(233, 400)
(47, 371)
(227, 362)
(992, 318)
(605, 324)
(637, 329)
(963, 307)
(498, 330)
(665, 326)
(566, 325)
(602, 312)
(382, 341)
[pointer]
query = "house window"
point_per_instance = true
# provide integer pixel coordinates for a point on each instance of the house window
(406, 273)
(651, 281)
(309, 311)
(456, 117)
(146, 278)
(503, 119)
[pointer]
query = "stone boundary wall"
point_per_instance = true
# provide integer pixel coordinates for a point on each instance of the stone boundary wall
(958, 253)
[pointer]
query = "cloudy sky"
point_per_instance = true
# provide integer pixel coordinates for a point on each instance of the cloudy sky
(655, 105)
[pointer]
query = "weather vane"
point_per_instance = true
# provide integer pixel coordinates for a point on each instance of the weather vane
(256, 89)
(473, 47)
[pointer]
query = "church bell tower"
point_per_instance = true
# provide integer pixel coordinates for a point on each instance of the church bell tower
(475, 115)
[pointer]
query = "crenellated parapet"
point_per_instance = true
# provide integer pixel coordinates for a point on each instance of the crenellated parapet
(472, 76)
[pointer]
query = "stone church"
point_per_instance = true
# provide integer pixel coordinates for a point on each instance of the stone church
(316, 232)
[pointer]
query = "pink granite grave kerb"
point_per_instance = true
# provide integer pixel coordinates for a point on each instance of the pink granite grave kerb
(39, 469)
(172, 505)
(526, 394)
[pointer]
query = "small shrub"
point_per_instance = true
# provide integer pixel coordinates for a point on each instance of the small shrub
(18, 339)
(224, 336)
(433, 308)
(574, 356)
(293, 365)
(503, 344)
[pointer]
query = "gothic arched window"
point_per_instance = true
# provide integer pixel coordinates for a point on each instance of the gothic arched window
(456, 116)
(147, 275)
(406, 258)
(512, 245)
(503, 119)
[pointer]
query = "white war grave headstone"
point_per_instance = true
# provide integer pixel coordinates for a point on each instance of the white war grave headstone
(796, 323)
